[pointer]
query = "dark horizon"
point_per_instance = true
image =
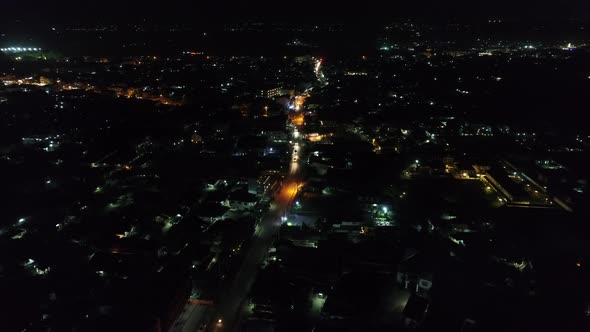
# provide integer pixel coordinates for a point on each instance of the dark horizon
(373, 11)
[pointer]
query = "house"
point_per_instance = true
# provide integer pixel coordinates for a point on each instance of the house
(415, 311)
(240, 200)
(465, 169)
(211, 212)
(414, 273)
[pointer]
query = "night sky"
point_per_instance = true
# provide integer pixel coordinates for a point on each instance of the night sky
(196, 12)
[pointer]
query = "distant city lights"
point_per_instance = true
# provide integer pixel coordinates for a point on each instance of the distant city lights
(569, 47)
(19, 49)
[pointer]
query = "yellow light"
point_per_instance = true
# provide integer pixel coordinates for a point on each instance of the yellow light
(315, 137)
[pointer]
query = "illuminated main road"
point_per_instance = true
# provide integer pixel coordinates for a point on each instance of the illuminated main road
(191, 318)
(232, 298)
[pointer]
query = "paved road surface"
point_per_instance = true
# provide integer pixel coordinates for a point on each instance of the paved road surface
(232, 298)
(191, 318)
(228, 306)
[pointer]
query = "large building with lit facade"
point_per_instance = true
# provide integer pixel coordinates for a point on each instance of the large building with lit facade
(270, 92)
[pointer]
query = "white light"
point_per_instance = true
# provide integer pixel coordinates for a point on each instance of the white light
(21, 220)
(417, 161)
(30, 49)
